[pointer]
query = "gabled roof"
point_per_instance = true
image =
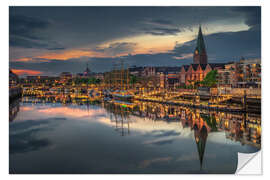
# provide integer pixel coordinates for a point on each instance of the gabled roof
(194, 66)
(203, 66)
(185, 67)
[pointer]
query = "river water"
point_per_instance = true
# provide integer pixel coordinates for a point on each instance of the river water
(51, 137)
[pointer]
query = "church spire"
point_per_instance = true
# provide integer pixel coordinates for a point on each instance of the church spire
(200, 139)
(87, 71)
(200, 56)
(200, 41)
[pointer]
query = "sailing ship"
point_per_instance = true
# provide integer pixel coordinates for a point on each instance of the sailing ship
(119, 85)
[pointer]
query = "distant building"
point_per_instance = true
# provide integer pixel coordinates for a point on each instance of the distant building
(99, 76)
(65, 75)
(85, 74)
(136, 71)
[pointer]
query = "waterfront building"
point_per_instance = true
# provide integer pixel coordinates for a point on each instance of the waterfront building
(172, 80)
(136, 71)
(241, 74)
(162, 80)
(149, 71)
(13, 78)
(153, 70)
(99, 76)
(192, 73)
(65, 75)
(37, 80)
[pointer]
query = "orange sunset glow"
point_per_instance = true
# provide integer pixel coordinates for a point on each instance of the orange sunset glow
(26, 71)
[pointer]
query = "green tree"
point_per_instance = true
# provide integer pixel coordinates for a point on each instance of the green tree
(210, 79)
(133, 79)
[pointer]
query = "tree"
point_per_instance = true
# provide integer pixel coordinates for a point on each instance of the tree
(210, 79)
(133, 79)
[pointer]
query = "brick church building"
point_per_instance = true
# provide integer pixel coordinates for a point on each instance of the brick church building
(192, 73)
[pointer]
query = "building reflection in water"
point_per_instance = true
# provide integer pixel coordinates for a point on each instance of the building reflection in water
(243, 128)
(200, 135)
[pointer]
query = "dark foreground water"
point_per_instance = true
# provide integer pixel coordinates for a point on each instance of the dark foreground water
(106, 138)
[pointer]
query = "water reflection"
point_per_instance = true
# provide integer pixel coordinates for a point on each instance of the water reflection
(139, 137)
(245, 128)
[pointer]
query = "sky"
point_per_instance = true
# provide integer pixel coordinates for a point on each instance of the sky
(51, 40)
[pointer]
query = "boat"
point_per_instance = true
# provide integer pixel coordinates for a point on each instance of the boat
(122, 96)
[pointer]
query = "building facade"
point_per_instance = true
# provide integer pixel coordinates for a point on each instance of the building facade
(241, 74)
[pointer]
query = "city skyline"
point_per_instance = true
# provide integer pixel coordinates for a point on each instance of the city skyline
(43, 43)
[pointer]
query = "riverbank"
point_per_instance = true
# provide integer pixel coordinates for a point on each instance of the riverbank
(211, 107)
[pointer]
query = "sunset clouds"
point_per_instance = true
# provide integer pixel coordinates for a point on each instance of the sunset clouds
(53, 38)
(26, 72)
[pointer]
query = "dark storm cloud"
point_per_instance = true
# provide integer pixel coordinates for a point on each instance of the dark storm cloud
(24, 26)
(252, 16)
(161, 21)
(78, 26)
(27, 32)
(162, 31)
(117, 48)
(37, 44)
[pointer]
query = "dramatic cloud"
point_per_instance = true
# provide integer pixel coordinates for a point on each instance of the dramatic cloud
(183, 56)
(117, 49)
(52, 39)
(162, 31)
(253, 16)
(25, 26)
(159, 22)
(27, 32)
(26, 72)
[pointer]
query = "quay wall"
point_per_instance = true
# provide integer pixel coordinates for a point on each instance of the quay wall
(14, 93)
(256, 92)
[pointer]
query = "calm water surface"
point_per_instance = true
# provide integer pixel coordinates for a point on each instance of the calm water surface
(117, 138)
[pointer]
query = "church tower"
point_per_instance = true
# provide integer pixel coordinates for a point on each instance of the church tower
(200, 56)
(87, 71)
